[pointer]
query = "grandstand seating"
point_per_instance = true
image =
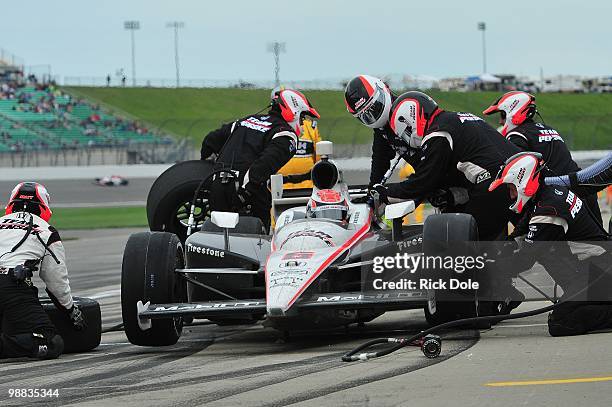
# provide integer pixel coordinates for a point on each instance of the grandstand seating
(49, 119)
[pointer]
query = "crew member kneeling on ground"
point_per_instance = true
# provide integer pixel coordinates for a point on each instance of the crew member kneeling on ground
(28, 244)
(582, 268)
(255, 147)
(296, 173)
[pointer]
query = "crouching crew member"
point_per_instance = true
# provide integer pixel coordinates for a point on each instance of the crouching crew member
(29, 244)
(555, 215)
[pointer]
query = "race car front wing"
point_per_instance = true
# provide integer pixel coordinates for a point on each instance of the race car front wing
(347, 300)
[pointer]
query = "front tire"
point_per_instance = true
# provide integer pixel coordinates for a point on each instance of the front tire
(449, 234)
(148, 274)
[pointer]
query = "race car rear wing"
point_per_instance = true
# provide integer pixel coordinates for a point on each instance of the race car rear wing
(388, 300)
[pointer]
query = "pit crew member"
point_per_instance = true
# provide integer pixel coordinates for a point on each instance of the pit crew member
(29, 244)
(554, 215)
(296, 173)
(255, 147)
(457, 158)
(517, 111)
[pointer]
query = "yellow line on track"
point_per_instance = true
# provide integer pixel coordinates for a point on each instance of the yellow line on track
(552, 381)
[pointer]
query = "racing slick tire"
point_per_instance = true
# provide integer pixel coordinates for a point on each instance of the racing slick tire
(170, 197)
(443, 235)
(148, 274)
(248, 225)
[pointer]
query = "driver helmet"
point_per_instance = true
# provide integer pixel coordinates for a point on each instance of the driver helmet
(514, 108)
(522, 174)
(30, 197)
(368, 99)
(327, 204)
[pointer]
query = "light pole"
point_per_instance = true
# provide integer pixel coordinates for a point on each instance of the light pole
(483, 27)
(176, 25)
(277, 48)
(132, 26)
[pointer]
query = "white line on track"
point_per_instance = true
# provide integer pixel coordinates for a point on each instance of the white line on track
(105, 294)
(520, 326)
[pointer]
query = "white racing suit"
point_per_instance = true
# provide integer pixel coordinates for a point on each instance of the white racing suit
(26, 239)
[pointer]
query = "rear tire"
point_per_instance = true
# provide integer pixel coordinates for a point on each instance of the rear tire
(170, 197)
(148, 274)
(449, 234)
(76, 341)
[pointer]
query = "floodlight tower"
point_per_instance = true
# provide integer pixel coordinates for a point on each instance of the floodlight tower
(176, 25)
(277, 48)
(483, 27)
(132, 26)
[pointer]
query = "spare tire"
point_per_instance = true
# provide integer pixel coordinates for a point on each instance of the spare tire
(76, 341)
(170, 197)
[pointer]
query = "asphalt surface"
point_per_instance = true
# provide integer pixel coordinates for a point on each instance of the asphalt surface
(253, 366)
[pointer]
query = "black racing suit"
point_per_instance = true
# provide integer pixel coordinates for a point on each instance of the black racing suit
(255, 146)
(543, 139)
(459, 150)
(565, 238)
(25, 328)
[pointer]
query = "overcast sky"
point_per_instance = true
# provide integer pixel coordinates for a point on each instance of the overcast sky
(325, 38)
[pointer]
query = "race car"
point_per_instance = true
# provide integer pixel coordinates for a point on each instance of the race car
(111, 181)
(314, 270)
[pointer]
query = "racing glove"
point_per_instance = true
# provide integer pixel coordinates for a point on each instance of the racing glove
(243, 198)
(77, 318)
(379, 192)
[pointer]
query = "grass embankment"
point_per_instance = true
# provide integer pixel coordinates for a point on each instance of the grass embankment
(585, 120)
(97, 218)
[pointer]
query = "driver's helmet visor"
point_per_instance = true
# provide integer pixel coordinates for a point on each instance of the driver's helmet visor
(333, 212)
(373, 108)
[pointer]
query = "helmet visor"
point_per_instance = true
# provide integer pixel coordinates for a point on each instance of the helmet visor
(373, 109)
(334, 212)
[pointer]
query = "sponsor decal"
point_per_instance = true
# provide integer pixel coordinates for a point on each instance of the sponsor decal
(298, 256)
(19, 224)
(368, 297)
(405, 244)
(521, 174)
(574, 202)
(327, 239)
(558, 192)
(207, 251)
(329, 195)
(186, 307)
(356, 217)
(548, 135)
(292, 263)
(468, 117)
(286, 281)
(483, 176)
(256, 124)
(513, 105)
(359, 103)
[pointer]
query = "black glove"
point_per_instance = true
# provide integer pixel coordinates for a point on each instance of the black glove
(243, 198)
(381, 191)
(441, 198)
(77, 318)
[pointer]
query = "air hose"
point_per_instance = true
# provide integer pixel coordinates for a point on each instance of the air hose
(400, 343)
(597, 174)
